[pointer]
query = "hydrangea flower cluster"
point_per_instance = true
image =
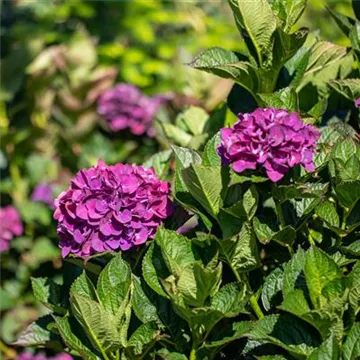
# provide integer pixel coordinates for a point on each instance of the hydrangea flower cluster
(43, 193)
(124, 106)
(274, 139)
(107, 208)
(42, 356)
(10, 226)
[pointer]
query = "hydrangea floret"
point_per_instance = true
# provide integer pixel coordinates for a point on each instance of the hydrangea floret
(271, 138)
(43, 193)
(10, 226)
(41, 356)
(357, 102)
(107, 208)
(126, 107)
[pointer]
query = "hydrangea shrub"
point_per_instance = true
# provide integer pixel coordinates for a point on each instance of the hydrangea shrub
(11, 226)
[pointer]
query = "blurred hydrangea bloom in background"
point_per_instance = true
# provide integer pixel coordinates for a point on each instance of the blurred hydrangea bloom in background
(43, 193)
(273, 138)
(42, 356)
(107, 208)
(357, 102)
(126, 107)
(10, 226)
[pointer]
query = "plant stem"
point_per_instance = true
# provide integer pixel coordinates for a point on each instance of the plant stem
(253, 301)
(192, 353)
(255, 306)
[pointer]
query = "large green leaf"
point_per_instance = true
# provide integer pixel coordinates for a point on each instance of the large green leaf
(193, 120)
(271, 290)
(294, 276)
(84, 287)
(144, 310)
(288, 332)
(67, 329)
(205, 184)
(143, 335)
(37, 333)
(98, 324)
(48, 292)
(240, 251)
(227, 64)
(350, 88)
(351, 347)
(114, 283)
(348, 193)
(328, 350)
(230, 299)
(153, 268)
(197, 283)
(160, 162)
(327, 211)
(283, 99)
(320, 269)
(176, 250)
(210, 155)
(289, 11)
(258, 21)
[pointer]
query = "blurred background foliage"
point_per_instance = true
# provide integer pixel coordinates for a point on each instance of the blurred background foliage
(56, 59)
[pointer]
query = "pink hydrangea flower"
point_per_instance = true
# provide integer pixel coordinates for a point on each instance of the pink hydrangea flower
(357, 102)
(107, 208)
(125, 107)
(42, 356)
(271, 138)
(10, 226)
(43, 193)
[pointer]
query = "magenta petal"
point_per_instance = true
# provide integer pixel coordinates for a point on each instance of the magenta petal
(241, 165)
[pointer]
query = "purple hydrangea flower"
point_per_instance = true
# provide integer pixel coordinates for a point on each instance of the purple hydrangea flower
(43, 193)
(42, 356)
(357, 102)
(10, 226)
(272, 138)
(107, 208)
(124, 106)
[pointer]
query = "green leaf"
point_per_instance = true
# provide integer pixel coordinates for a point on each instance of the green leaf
(143, 335)
(289, 11)
(351, 347)
(176, 250)
(193, 120)
(323, 54)
(230, 299)
(283, 99)
(114, 283)
(153, 268)
(291, 334)
(241, 251)
(144, 310)
(345, 23)
(294, 276)
(205, 185)
(160, 162)
(348, 193)
(320, 269)
(48, 292)
(272, 289)
(210, 155)
(68, 330)
(84, 287)
(258, 21)
(99, 325)
(196, 283)
(227, 64)
(250, 201)
(176, 135)
(327, 211)
(349, 88)
(285, 237)
(328, 350)
(166, 355)
(37, 333)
